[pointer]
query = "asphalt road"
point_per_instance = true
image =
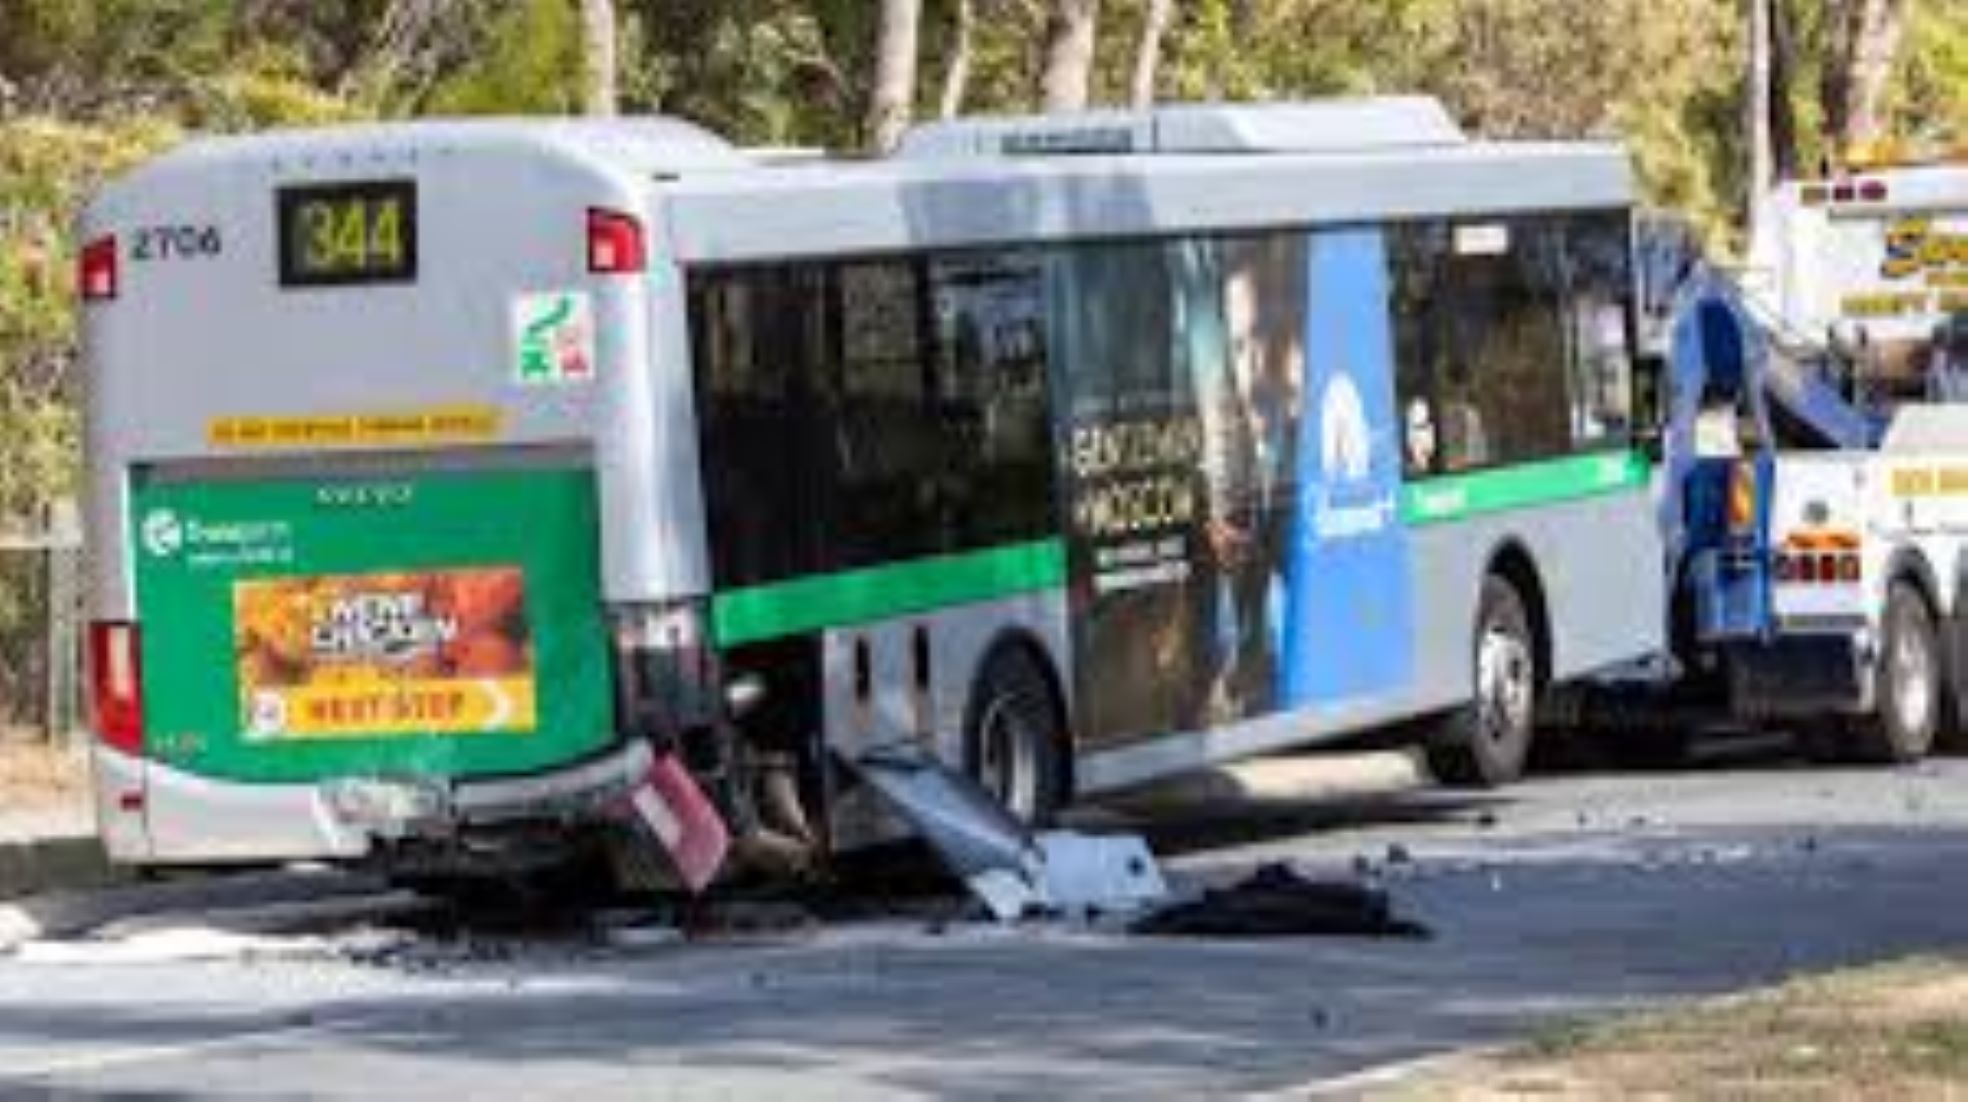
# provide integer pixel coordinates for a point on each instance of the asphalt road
(1560, 898)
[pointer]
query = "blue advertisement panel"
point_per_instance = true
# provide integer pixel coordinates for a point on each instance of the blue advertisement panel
(1348, 619)
(1231, 477)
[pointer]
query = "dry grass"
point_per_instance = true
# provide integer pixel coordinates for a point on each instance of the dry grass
(1894, 1031)
(37, 777)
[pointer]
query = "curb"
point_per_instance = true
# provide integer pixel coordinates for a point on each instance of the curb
(56, 863)
(78, 908)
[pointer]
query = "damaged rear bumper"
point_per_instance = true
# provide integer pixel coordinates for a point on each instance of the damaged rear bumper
(158, 815)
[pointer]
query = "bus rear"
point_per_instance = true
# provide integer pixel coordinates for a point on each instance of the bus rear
(385, 455)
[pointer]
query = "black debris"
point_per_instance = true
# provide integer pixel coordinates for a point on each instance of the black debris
(1275, 901)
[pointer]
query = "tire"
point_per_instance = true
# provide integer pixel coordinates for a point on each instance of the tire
(1953, 736)
(1909, 682)
(1485, 743)
(1015, 740)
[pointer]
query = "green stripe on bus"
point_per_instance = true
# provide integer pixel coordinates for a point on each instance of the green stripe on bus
(1461, 496)
(884, 592)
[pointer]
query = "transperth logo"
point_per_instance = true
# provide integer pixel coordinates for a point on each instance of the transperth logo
(163, 533)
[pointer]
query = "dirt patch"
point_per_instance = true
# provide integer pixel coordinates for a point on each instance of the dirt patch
(1893, 1031)
(36, 777)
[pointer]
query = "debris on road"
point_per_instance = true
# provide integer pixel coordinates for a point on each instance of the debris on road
(1014, 873)
(1276, 901)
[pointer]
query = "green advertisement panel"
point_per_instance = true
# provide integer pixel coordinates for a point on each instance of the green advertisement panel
(440, 625)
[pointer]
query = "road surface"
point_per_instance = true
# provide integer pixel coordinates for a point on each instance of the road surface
(1560, 898)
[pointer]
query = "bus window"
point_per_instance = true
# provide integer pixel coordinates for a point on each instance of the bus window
(1598, 285)
(991, 398)
(1482, 343)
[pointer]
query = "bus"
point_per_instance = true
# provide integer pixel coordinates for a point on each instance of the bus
(444, 475)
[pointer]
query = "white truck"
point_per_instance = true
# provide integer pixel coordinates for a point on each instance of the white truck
(1815, 483)
(1868, 625)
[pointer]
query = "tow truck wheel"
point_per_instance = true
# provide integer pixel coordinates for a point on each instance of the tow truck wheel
(1014, 739)
(1908, 683)
(1486, 742)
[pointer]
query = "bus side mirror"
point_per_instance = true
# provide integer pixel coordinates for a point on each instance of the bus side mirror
(1649, 405)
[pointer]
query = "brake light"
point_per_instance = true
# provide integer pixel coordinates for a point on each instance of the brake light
(116, 685)
(95, 270)
(1786, 568)
(1872, 191)
(615, 243)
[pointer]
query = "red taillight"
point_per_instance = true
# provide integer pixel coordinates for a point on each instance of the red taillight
(95, 270)
(1873, 191)
(1786, 568)
(1842, 193)
(1807, 568)
(615, 244)
(116, 685)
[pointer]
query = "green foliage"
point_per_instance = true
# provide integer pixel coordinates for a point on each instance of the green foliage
(1930, 94)
(528, 63)
(46, 169)
(88, 86)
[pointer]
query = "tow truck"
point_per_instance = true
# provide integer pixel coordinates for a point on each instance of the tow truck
(1813, 477)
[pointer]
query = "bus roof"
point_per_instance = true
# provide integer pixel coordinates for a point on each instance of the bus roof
(648, 147)
(837, 207)
(1320, 126)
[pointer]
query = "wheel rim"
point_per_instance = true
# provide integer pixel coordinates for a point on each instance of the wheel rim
(1007, 762)
(1912, 667)
(1506, 679)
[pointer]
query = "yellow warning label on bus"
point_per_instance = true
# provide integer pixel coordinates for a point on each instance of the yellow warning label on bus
(1930, 482)
(433, 425)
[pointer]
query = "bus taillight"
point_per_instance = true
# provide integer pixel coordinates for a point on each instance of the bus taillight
(615, 244)
(116, 685)
(95, 270)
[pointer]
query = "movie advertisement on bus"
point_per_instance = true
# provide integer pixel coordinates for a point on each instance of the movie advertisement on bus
(1232, 477)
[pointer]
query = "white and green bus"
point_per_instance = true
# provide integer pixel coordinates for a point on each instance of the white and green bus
(443, 475)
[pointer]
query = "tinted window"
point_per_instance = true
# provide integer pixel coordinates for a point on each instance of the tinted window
(866, 412)
(1513, 339)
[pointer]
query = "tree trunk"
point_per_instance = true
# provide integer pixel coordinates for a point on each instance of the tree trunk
(1757, 120)
(598, 50)
(893, 101)
(956, 78)
(1148, 52)
(1071, 31)
(1858, 66)
(1786, 151)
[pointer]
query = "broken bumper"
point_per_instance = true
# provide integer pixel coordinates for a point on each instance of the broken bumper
(153, 814)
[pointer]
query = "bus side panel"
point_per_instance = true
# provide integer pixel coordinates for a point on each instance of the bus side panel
(1594, 558)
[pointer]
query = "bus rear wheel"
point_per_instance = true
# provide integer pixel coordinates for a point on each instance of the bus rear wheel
(1486, 742)
(1015, 741)
(1908, 684)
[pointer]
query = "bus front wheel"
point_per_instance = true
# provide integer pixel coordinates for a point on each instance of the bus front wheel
(1014, 739)
(1486, 742)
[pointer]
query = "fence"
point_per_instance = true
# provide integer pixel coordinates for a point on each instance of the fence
(41, 615)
